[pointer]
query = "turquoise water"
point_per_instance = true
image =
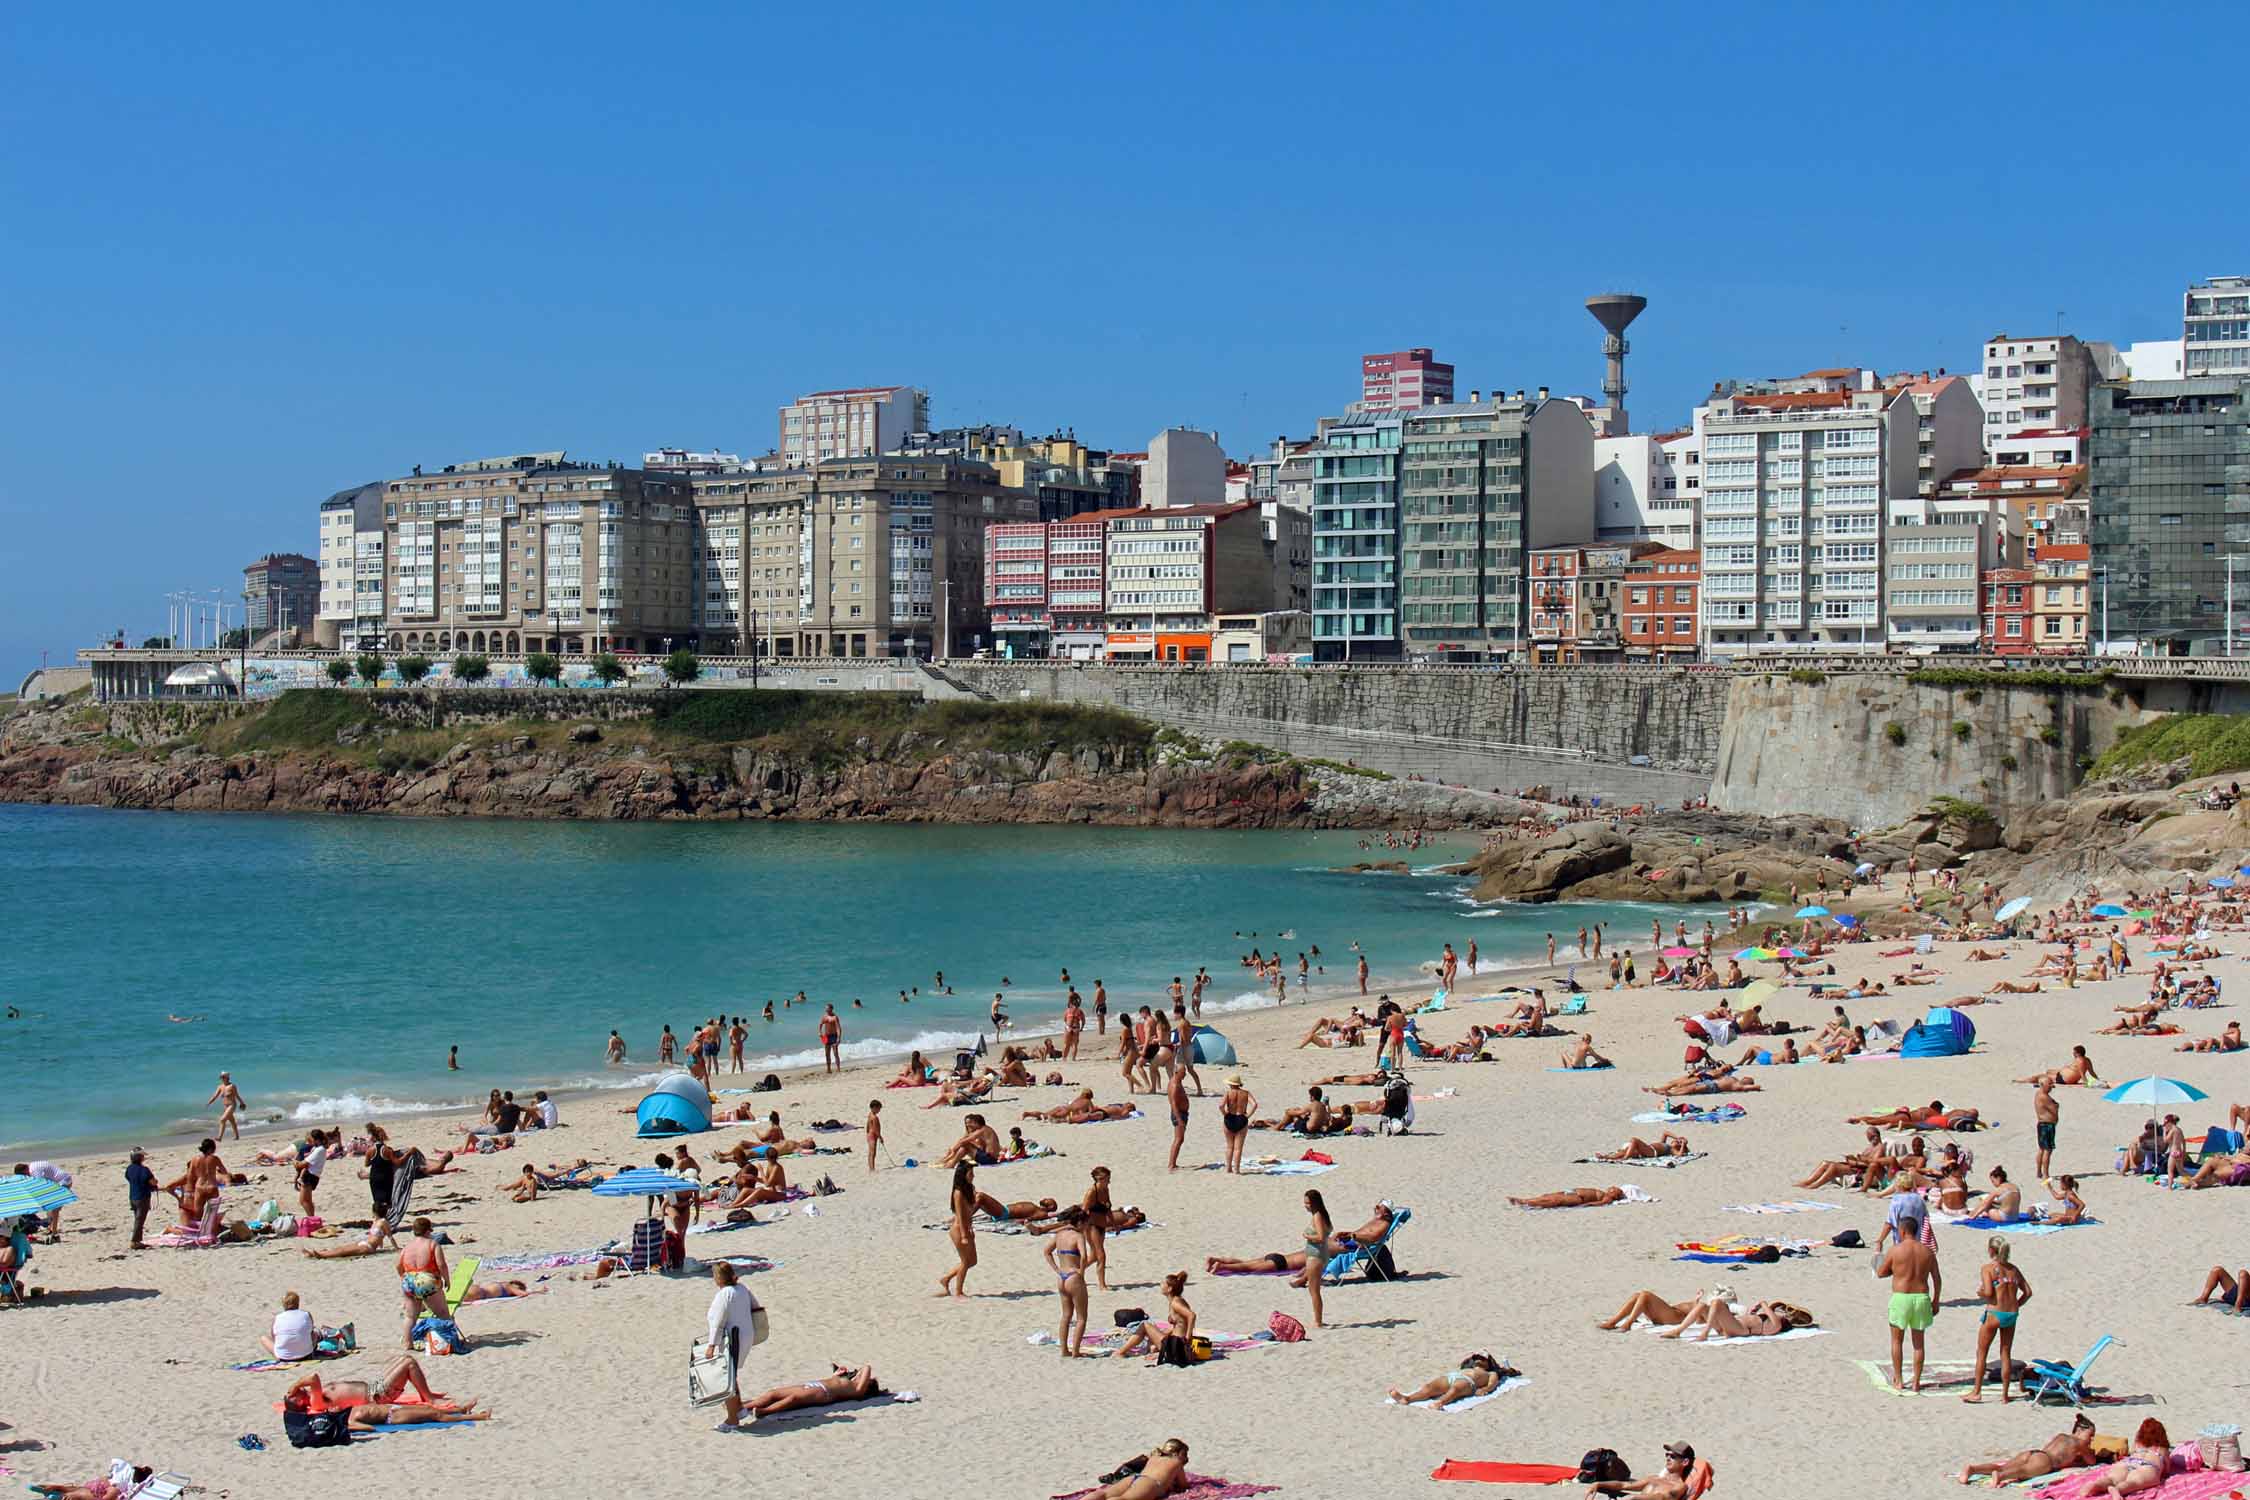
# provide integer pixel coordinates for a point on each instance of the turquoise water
(332, 961)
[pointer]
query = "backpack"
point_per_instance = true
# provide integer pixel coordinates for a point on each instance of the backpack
(1602, 1465)
(1128, 1317)
(1285, 1329)
(1176, 1351)
(315, 1429)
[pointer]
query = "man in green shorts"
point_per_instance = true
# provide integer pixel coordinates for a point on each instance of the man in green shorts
(1916, 1289)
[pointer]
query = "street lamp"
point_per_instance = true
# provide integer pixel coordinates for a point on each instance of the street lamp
(2103, 575)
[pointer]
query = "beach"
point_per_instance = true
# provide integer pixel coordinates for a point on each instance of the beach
(128, 1355)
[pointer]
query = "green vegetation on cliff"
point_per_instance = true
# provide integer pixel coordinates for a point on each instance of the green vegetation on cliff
(2028, 677)
(2214, 744)
(834, 726)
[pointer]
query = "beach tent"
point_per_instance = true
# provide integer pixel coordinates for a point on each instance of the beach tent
(1207, 1046)
(678, 1105)
(1944, 1032)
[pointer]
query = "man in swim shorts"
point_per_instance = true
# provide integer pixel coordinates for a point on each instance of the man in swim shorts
(2046, 1113)
(1916, 1288)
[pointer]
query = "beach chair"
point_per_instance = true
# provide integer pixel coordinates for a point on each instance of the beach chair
(2059, 1379)
(464, 1277)
(203, 1236)
(1574, 1006)
(164, 1486)
(1365, 1253)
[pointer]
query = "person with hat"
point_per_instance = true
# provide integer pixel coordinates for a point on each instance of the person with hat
(1236, 1107)
(1675, 1483)
(140, 1191)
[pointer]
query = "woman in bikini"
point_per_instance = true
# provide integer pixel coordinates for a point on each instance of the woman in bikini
(1066, 1257)
(1637, 1149)
(1317, 1236)
(1760, 1320)
(1149, 1335)
(1646, 1304)
(2143, 1466)
(1236, 1107)
(845, 1385)
(1095, 1205)
(962, 1231)
(1478, 1375)
(2004, 1290)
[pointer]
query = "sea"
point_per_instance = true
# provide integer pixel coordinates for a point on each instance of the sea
(330, 963)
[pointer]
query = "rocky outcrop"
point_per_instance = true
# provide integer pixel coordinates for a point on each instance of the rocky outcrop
(1682, 856)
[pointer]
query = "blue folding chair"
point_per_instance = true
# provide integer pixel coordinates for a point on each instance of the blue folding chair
(2058, 1379)
(1351, 1260)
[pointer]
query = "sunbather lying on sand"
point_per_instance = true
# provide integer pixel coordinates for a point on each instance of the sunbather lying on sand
(1913, 979)
(2222, 1171)
(2077, 1070)
(1646, 1304)
(2234, 1289)
(404, 1376)
(1760, 1320)
(1983, 956)
(1932, 1116)
(2229, 1040)
(1758, 1056)
(1022, 1209)
(2065, 1450)
(2139, 1023)
(499, 1291)
(2011, 987)
(1637, 1149)
(844, 1385)
(1327, 1033)
(962, 1091)
(1724, 1081)
(1159, 1472)
(1338, 1243)
(1581, 1054)
(1080, 1111)
(369, 1244)
(1585, 1197)
(1363, 1080)
(1477, 1375)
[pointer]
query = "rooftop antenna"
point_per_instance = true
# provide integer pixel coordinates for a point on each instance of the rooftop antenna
(1615, 311)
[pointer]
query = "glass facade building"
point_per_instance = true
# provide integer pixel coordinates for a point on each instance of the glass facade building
(1356, 540)
(2168, 482)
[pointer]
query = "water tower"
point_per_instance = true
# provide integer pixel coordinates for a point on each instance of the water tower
(1614, 311)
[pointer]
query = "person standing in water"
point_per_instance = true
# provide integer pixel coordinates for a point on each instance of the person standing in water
(229, 1100)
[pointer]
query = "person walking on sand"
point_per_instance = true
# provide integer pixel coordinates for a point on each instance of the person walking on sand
(2004, 1290)
(1101, 1009)
(735, 1038)
(874, 1130)
(2046, 1114)
(961, 1229)
(732, 1326)
(831, 1040)
(1917, 1287)
(1319, 1235)
(229, 1100)
(1176, 1095)
(140, 1190)
(422, 1277)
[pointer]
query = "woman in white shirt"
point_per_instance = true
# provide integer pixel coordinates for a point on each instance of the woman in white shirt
(314, 1162)
(732, 1328)
(293, 1334)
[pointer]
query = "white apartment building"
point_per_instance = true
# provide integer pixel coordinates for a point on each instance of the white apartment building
(850, 423)
(2038, 384)
(349, 521)
(1795, 475)
(1947, 419)
(2215, 326)
(1637, 494)
(1935, 553)
(1186, 466)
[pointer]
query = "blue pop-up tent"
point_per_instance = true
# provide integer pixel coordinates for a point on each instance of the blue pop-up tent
(678, 1105)
(1207, 1046)
(1944, 1032)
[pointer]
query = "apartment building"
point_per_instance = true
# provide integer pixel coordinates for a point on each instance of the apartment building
(1044, 587)
(1067, 477)
(1285, 473)
(749, 534)
(1280, 635)
(2034, 384)
(2061, 600)
(850, 423)
(2007, 612)
(1170, 570)
(1577, 603)
(536, 553)
(1479, 483)
(1184, 466)
(1402, 380)
(2168, 485)
(1946, 422)
(2215, 327)
(1662, 613)
(1936, 553)
(1794, 478)
(347, 611)
(1637, 493)
(2047, 501)
(1355, 601)
(281, 591)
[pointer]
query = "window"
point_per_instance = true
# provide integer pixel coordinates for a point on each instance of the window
(2053, 625)
(2015, 625)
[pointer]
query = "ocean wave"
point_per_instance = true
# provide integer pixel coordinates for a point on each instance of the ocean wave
(360, 1106)
(872, 1048)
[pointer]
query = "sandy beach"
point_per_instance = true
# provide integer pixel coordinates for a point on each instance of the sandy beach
(127, 1355)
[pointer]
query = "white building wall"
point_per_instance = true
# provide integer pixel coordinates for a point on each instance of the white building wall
(1185, 466)
(1637, 495)
(2155, 359)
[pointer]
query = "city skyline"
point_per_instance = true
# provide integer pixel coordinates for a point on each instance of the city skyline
(274, 261)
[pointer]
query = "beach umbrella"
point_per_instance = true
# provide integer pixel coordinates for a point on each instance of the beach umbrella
(23, 1196)
(1812, 911)
(643, 1182)
(2014, 907)
(1754, 953)
(1864, 869)
(1845, 920)
(2151, 1092)
(1756, 991)
(2109, 909)
(2242, 870)
(2144, 914)
(1679, 953)
(2224, 883)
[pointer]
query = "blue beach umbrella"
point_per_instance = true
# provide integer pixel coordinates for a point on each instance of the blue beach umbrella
(642, 1182)
(1812, 911)
(2223, 882)
(2151, 1092)
(24, 1196)
(2014, 907)
(1847, 921)
(2109, 909)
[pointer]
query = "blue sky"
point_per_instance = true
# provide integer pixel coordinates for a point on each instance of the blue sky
(256, 253)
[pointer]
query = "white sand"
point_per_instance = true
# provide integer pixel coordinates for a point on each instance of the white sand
(588, 1380)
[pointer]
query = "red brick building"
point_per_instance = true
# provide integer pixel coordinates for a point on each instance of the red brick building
(1663, 606)
(2007, 611)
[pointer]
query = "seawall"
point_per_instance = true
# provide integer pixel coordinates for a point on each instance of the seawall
(1573, 730)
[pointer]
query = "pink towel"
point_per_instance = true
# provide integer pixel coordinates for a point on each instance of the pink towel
(2210, 1484)
(1201, 1487)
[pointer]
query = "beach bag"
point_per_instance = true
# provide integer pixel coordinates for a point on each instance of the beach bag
(1285, 1329)
(710, 1379)
(1602, 1465)
(1847, 1240)
(1199, 1349)
(2220, 1446)
(1176, 1351)
(440, 1336)
(316, 1429)
(1128, 1317)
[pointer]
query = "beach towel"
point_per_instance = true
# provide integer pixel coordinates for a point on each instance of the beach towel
(815, 1413)
(1632, 1195)
(1717, 1114)
(1805, 1206)
(1287, 1168)
(1643, 1325)
(1110, 1338)
(390, 1428)
(2205, 1484)
(1642, 1161)
(2022, 1226)
(1201, 1487)
(1104, 1120)
(1483, 1471)
(1596, 1068)
(263, 1366)
(1466, 1402)
(548, 1260)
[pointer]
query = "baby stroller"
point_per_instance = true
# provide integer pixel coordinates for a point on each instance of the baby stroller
(1398, 1104)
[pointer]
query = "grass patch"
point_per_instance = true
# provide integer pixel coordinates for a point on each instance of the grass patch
(1895, 732)
(1339, 766)
(2213, 744)
(2049, 735)
(1984, 677)
(1807, 674)
(1962, 811)
(1961, 730)
(830, 728)
(300, 719)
